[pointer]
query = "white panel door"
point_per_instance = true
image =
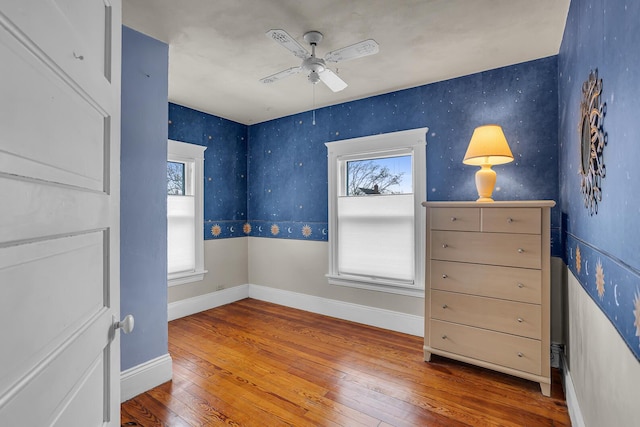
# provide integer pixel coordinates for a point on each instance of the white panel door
(59, 212)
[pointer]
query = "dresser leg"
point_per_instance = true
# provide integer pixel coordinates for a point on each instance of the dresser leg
(427, 355)
(546, 389)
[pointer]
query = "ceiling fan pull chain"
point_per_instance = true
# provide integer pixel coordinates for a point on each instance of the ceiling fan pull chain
(314, 105)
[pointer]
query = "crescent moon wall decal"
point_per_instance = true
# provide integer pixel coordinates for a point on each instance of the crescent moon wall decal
(324, 231)
(586, 267)
(260, 228)
(615, 294)
(231, 229)
(289, 230)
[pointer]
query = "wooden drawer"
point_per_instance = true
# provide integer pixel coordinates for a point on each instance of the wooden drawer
(457, 219)
(514, 352)
(512, 220)
(517, 284)
(521, 250)
(511, 317)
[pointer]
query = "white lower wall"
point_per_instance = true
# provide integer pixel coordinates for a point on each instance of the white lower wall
(300, 266)
(604, 373)
(226, 263)
(378, 317)
(381, 318)
(196, 304)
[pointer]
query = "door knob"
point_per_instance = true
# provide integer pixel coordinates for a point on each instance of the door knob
(125, 324)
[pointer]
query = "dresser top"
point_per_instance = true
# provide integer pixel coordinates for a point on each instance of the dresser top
(498, 204)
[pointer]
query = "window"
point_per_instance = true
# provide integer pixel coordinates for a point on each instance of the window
(376, 223)
(185, 241)
(176, 178)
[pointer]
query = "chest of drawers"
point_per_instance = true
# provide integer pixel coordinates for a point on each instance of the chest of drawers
(487, 299)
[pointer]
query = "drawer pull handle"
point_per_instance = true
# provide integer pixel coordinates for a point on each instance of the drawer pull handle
(453, 218)
(520, 320)
(444, 276)
(520, 250)
(444, 245)
(444, 337)
(509, 220)
(520, 285)
(445, 306)
(520, 354)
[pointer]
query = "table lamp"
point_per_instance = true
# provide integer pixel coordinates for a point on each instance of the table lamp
(488, 146)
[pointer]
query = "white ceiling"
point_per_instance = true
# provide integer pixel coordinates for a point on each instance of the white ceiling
(218, 49)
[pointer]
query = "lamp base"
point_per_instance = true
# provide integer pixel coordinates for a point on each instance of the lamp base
(485, 181)
(484, 199)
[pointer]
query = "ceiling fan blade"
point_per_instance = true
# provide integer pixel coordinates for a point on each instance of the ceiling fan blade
(285, 40)
(281, 75)
(358, 50)
(332, 80)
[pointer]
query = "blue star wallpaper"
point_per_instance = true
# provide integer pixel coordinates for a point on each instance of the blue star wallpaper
(270, 179)
(604, 36)
(287, 159)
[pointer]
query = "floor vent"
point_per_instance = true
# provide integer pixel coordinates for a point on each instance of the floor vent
(557, 350)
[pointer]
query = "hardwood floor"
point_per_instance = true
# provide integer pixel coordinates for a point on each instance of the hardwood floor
(252, 363)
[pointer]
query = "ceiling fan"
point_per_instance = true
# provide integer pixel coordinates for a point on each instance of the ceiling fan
(317, 67)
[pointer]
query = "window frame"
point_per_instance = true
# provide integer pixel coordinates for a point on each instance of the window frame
(412, 142)
(193, 154)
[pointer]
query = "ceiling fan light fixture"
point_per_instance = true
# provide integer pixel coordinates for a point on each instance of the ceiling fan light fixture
(314, 77)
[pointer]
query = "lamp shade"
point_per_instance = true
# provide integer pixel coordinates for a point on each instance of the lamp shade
(488, 146)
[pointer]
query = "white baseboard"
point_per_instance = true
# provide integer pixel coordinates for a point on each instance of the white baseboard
(145, 376)
(372, 316)
(572, 399)
(204, 302)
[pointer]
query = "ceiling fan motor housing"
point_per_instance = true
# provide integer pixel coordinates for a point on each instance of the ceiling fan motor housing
(313, 64)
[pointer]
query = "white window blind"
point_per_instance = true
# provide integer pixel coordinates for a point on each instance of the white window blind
(377, 237)
(180, 234)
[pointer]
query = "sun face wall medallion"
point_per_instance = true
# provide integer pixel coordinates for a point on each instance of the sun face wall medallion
(592, 142)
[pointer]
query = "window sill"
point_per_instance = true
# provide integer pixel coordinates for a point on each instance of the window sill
(379, 285)
(185, 277)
